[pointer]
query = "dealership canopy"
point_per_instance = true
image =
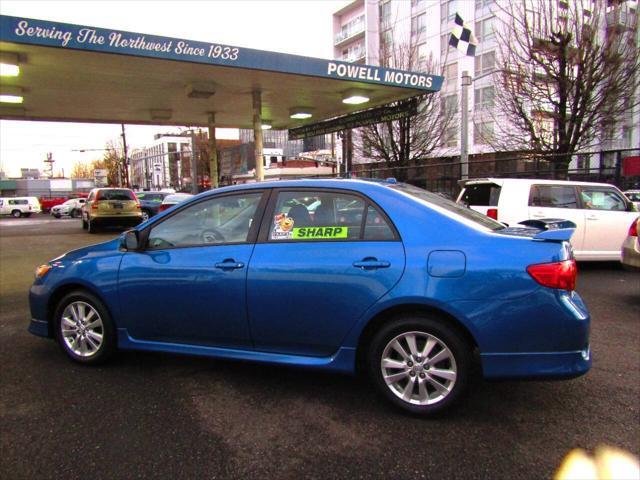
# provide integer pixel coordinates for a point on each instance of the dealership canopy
(88, 74)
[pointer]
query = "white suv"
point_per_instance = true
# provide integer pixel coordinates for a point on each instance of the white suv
(601, 212)
(19, 206)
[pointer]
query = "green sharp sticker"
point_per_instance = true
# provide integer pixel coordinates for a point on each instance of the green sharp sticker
(311, 233)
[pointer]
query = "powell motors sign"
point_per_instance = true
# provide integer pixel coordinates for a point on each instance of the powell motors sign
(78, 37)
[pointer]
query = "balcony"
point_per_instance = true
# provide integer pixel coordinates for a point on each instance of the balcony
(350, 31)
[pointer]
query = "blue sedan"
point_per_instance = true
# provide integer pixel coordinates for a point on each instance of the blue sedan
(379, 277)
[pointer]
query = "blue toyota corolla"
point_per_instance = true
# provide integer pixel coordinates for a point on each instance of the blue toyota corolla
(340, 275)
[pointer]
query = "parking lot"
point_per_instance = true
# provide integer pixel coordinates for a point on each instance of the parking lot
(157, 415)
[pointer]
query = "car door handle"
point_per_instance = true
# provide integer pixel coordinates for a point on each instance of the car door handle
(229, 264)
(371, 263)
(592, 217)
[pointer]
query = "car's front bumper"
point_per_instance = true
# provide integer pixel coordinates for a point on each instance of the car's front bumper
(39, 327)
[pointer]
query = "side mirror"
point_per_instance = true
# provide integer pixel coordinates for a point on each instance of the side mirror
(130, 240)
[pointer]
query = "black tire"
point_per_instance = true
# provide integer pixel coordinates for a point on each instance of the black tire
(16, 213)
(146, 215)
(417, 369)
(85, 225)
(57, 215)
(27, 214)
(106, 329)
(74, 213)
(91, 226)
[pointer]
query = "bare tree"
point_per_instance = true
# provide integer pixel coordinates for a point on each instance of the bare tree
(400, 143)
(111, 161)
(568, 72)
(81, 170)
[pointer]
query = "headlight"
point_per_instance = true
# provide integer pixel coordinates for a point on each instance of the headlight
(42, 270)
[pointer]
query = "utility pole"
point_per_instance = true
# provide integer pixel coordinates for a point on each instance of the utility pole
(194, 169)
(125, 161)
(464, 126)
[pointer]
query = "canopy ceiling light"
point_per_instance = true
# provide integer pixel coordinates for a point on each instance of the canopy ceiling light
(266, 125)
(9, 65)
(300, 113)
(200, 90)
(354, 97)
(161, 114)
(9, 94)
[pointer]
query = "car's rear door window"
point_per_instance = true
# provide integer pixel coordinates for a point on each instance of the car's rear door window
(553, 196)
(326, 216)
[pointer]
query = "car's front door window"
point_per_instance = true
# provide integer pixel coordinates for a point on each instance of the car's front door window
(222, 220)
(602, 199)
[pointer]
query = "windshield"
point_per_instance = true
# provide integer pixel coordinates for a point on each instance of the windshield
(448, 205)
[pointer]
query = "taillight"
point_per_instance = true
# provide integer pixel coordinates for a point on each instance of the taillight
(94, 206)
(633, 229)
(560, 275)
(492, 213)
(163, 207)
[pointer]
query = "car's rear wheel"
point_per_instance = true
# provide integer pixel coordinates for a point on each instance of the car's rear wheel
(16, 213)
(85, 224)
(91, 226)
(84, 328)
(420, 364)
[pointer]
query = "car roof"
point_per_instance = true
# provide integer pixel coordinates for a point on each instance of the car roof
(531, 181)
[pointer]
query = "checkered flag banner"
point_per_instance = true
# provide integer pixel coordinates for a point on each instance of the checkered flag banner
(462, 38)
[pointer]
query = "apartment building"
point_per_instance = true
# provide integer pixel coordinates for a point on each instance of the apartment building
(365, 29)
(163, 164)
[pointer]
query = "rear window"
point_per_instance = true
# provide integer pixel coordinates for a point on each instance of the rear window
(115, 195)
(449, 205)
(481, 194)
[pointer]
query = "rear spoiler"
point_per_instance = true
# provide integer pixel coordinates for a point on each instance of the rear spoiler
(551, 229)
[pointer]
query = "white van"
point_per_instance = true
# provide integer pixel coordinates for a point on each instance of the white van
(19, 206)
(601, 212)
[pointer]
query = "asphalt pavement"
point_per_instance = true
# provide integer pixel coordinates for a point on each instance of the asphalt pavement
(146, 415)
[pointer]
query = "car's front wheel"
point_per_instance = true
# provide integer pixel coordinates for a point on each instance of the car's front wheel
(84, 329)
(420, 364)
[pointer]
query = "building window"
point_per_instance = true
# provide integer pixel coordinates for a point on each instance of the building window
(485, 63)
(447, 11)
(451, 75)
(417, 3)
(484, 98)
(583, 162)
(421, 53)
(444, 43)
(484, 29)
(480, 4)
(483, 133)
(418, 24)
(385, 14)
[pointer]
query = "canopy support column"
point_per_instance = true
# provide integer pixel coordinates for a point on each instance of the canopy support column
(213, 153)
(257, 134)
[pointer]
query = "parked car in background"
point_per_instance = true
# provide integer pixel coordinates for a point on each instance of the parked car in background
(19, 206)
(173, 199)
(631, 247)
(48, 202)
(71, 208)
(634, 196)
(111, 207)
(150, 203)
(411, 290)
(600, 211)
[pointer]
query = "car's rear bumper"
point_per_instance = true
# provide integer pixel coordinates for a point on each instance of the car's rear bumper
(630, 254)
(119, 221)
(536, 365)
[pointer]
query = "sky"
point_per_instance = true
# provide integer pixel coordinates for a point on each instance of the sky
(293, 26)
